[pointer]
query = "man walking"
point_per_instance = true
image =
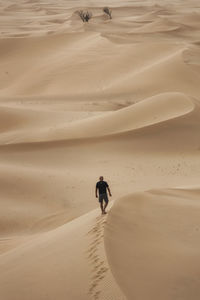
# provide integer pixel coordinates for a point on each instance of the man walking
(102, 188)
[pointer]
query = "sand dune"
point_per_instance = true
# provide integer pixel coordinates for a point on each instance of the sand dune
(115, 97)
(60, 279)
(148, 112)
(138, 77)
(154, 238)
(160, 25)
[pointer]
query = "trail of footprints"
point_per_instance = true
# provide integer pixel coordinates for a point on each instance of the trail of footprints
(99, 266)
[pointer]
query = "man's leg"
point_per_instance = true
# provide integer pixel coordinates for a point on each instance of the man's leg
(106, 203)
(102, 208)
(101, 203)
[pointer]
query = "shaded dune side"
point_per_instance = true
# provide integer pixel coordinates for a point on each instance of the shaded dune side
(152, 244)
(148, 112)
(16, 118)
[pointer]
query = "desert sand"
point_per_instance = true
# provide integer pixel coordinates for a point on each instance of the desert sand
(115, 97)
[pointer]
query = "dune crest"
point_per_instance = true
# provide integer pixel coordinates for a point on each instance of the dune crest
(150, 111)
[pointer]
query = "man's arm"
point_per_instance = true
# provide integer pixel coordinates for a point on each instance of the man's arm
(109, 191)
(96, 191)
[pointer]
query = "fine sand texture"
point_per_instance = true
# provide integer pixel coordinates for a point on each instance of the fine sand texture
(155, 243)
(115, 97)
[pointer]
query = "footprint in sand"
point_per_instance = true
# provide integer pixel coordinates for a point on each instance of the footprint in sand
(99, 270)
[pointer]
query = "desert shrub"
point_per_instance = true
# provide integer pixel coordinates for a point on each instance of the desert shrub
(84, 15)
(108, 11)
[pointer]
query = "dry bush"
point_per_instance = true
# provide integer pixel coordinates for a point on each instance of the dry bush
(108, 11)
(84, 15)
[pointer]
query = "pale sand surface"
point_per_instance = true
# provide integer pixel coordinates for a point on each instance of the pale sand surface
(152, 241)
(118, 98)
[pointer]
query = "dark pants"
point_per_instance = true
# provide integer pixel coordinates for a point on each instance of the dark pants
(103, 197)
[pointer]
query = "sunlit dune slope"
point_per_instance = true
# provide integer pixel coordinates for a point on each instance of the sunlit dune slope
(152, 244)
(150, 111)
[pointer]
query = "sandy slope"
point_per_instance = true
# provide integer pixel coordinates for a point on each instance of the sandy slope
(118, 98)
(68, 262)
(154, 238)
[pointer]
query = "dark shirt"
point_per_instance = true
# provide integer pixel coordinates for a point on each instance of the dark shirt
(101, 186)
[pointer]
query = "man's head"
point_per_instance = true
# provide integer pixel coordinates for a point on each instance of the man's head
(101, 178)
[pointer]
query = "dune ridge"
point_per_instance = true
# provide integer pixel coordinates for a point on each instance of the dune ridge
(154, 110)
(43, 248)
